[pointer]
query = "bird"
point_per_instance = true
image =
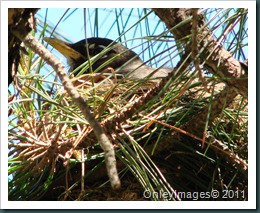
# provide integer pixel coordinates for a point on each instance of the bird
(109, 54)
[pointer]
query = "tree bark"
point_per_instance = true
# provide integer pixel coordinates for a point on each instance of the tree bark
(17, 18)
(218, 60)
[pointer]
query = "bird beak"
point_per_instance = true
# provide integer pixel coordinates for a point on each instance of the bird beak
(64, 48)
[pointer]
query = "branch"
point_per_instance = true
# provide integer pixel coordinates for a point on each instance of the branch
(218, 60)
(103, 140)
(217, 105)
(23, 18)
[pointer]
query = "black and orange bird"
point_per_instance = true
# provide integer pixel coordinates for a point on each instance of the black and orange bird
(105, 53)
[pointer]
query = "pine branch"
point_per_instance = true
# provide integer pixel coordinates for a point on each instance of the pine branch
(103, 140)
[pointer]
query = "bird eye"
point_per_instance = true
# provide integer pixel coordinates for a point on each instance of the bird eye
(95, 49)
(99, 49)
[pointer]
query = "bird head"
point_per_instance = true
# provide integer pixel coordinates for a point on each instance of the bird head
(108, 53)
(103, 53)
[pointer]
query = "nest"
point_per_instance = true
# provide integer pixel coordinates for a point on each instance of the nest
(139, 116)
